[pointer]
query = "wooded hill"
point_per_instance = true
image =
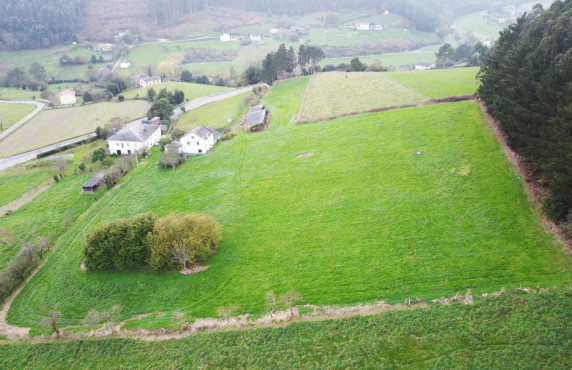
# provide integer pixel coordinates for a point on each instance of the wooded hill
(527, 85)
(32, 24)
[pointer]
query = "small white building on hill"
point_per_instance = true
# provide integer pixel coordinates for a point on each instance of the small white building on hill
(67, 97)
(199, 140)
(149, 81)
(135, 137)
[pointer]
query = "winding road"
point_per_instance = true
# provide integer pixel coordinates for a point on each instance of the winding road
(17, 159)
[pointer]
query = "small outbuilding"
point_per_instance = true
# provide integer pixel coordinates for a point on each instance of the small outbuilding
(149, 81)
(255, 119)
(93, 184)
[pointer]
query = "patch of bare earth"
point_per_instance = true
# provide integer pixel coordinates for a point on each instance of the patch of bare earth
(534, 190)
(305, 155)
(193, 269)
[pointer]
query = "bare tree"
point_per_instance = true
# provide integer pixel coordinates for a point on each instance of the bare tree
(171, 158)
(126, 163)
(41, 246)
(92, 318)
(51, 320)
(180, 253)
(271, 302)
(61, 166)
(112, 316)
(69, 217)
(287, 300)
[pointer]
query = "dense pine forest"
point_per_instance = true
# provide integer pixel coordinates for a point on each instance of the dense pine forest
(32, 24)
(527, 85)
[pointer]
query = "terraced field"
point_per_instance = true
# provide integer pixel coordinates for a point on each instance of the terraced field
(12, 113)
(418, 202)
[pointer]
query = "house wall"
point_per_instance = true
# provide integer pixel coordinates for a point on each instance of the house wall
(191, 144)
(68, 99)
(130, 147)
(143, 83)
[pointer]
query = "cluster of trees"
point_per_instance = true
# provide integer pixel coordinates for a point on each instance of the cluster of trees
(35, 79)
(145, 240)
(281, 63)
(116, 86)
(473, 55)
(33, 24)
(527, 86)
(175, 98)
(20, 268)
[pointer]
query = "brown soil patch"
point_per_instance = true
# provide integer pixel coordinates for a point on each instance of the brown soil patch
(534, 190)
(305, 155)
(193, 269)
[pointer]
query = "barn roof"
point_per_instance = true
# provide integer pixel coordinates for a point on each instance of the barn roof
(216, 134)
(200, 131)
(255, 118)
(94, 181)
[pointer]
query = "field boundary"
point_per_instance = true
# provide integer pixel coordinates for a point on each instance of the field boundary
(534, 191)
(450, 99)
(25, 198)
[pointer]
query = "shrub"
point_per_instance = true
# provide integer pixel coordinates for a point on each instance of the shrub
(81, 167)
(164, 141)
(120, 98)
(98, 155)
(181, 240)
(328, 68)
(56, 178)
(229, 135)
(119, 244)
(107, 162)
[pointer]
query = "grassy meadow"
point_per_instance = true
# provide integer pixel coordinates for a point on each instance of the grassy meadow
(335, 93)
(386, 60)
(13, 186)
(360, 220)
(12, 113)
(216, 114)
(191, 90)
(55, 125)
(439, 83)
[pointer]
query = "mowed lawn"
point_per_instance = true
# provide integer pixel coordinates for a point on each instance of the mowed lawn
(335, 93)
(439, 83)
(364, 218)
(11, 113)
(191, 90)
(215, 114)
(52, 126)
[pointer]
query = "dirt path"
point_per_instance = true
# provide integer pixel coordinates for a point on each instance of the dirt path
(533, 190)
(25, 198)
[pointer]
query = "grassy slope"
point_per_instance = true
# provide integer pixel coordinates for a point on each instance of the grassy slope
(12, 113)
(364, 218)
(191, 90)
(13, 186)
(439, 83)
(334, 93)
(515, 330)
(215, 114)
(56, 125)
(387, 59)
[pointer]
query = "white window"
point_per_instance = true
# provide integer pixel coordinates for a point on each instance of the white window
(198, 143)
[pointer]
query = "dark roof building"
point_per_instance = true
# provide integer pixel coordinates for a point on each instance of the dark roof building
(92, 184)
(135, 132)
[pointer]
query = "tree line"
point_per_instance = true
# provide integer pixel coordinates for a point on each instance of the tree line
(527, 86)
(33, 24)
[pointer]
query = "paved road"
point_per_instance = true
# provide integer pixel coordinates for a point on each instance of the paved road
(15, 126)
(25, 157)
(193, 104)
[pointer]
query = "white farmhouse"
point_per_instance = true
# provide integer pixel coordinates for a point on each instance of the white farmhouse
(362, 27)
(124, 64)
(255, 37)
(424, 66)
(67, 97)
(199, 140)
(225, 37)
(149, 81)
(135, 137)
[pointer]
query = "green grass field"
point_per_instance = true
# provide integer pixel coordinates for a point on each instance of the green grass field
(347, 37)
(387, 60)
(335, 93)
(357, 221)
(55, 125)
(439, 83)
(13, 186)
(191, 90)
(514, 330)
(12, 113)
(215, 114)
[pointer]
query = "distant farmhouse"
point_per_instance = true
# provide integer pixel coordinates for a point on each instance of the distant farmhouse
(255, 119)
(406, 67)
(124, 64)
(369, 27)
(136, 79)
(67, 97)
(424, 66)
(103, 47)
(240, 37)
(199, 140)
(149, 81)
(135, 137)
